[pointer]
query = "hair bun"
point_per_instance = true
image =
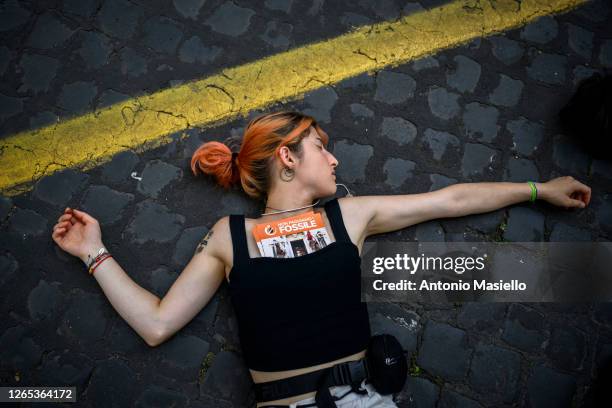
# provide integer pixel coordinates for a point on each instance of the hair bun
(216, 159)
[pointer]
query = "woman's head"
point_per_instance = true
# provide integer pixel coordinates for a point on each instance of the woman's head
(281, 147)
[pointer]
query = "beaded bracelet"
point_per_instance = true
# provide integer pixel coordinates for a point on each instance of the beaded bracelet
(102, 259)
(534, 191)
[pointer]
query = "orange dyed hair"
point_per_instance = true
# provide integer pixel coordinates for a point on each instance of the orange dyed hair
(262, 140)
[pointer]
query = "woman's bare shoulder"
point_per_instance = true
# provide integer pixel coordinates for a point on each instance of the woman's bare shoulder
(219, 239)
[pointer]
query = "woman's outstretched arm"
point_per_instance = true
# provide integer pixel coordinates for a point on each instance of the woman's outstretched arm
(381, 214)
(154, 319)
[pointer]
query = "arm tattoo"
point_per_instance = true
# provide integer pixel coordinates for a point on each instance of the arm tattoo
(204, 242)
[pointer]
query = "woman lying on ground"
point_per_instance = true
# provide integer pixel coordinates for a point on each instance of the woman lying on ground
(293, 318)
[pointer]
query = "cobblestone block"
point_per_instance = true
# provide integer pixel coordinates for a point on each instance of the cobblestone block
(549, 388)
(153, 222)
(361, 111)
(13, 15)
(162, 34)
(542, 31)
(132, 63)
(393, 87)
(162, 279)
(605, 53)
(521, 170)
(38, 72)
(83, 8)
(321, 102)
(185, 352)
(548, 68)
(445, 351)
(466, 75)
(567, 348)
(398, 129)
(230, 19)
(281, 5)
(112, 375)
(187, 243)
(361, 81)
(27, 223)
(397, 171)
(5, 207)
(524, 225)
(354, 158)
(425, 63)
(77, 96)
(443, 104)
(526, 135)
(524, 328)
(495, 372)
(18, 350)
(194, 50)
(506, 50)
(507, 93)
(65, 368)
(59, 188)
(483, 317)
(580, 41)
(105, 204)
(118, 170)
(429, 232)
(439, 141)
(278, 35)
(439, 181)
(10, 106)
(581, 72)
(188, 8)
(476, 159)
(95, 49)
(119, 18)
(44, 299)
(48, 32)
(85, 317)
(156, 176)
(480, 122)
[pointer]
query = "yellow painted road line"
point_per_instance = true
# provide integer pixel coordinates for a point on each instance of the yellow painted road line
(145, 122)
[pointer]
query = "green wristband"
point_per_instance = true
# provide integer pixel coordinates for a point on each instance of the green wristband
(534, 191)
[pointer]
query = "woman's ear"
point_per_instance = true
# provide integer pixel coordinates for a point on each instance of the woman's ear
(287, 158)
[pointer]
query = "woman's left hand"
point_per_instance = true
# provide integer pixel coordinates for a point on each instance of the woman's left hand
(565, 192)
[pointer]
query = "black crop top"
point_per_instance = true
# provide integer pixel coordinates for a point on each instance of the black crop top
(299, 312)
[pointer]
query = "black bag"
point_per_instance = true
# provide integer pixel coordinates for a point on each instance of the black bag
(387, 365)
(587, 117)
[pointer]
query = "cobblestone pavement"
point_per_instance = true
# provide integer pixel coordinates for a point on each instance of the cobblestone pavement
(484, 111)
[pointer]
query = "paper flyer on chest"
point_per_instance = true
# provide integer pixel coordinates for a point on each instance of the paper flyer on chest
(291, 237)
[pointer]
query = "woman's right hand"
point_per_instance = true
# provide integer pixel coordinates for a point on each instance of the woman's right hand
(78, 233)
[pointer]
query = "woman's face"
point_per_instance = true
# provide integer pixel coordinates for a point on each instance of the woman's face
(317, 166)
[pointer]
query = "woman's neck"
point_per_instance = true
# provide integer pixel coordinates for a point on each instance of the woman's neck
(284, 202)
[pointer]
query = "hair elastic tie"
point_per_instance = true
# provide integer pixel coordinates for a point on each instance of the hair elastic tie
(534, 191)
